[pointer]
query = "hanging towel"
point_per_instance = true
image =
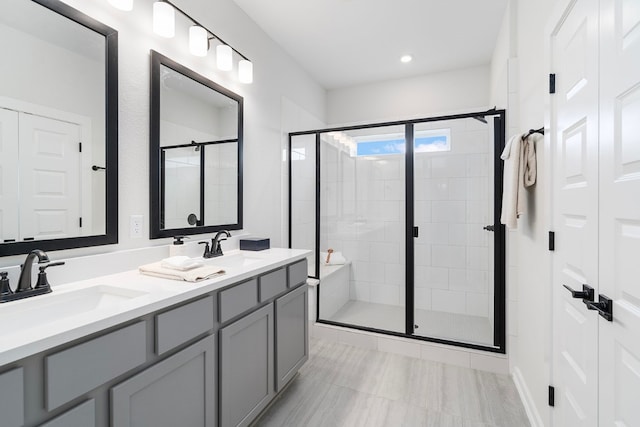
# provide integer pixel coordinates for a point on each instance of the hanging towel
(512, 198)
(194, 275)
(529, 173)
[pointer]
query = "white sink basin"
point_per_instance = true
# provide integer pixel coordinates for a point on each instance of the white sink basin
(235, 261)
(32, 311)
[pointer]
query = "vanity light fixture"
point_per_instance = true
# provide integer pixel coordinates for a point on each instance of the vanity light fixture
(164, 19)
(245, 71)
(126, 5)
(164, 24)
(198, 40)
(224, 57)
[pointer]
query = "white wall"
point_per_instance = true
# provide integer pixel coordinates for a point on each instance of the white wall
(276, 76)
(424, 96)
(520, 57)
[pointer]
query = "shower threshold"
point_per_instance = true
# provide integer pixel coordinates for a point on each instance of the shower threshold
(434, 324)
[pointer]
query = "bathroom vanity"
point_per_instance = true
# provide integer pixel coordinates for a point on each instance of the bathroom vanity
(144, 351)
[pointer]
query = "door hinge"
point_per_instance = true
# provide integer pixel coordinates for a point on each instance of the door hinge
(552, 396)
(415, 231)
(552, 83)
(80, 147)
(80, 222)
(552, 241)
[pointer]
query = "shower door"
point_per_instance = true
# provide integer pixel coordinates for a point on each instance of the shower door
(454, 218)
(410, 211)
(362, 218)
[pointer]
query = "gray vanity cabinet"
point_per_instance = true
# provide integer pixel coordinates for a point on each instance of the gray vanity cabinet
(178, 391)
(292, 334)
(12, 398)
(246, 367)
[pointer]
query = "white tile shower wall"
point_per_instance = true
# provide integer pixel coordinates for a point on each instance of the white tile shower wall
(362, 212)
(452, 197)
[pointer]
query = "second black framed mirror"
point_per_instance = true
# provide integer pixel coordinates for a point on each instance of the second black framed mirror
(195, 152)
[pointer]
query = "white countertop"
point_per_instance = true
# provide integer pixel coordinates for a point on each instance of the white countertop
(30, 326)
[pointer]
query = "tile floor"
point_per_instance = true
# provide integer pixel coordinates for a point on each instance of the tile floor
(436, 324)
(348, 386)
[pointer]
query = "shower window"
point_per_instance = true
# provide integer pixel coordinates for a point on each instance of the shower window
(404, 209)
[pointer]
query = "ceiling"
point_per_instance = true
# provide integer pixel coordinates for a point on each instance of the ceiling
(343, 43)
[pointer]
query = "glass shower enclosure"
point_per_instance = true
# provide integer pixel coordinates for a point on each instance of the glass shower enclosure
(403, 222)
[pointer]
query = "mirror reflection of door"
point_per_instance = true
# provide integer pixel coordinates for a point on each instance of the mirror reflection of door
(9, 172)
(45, 195)
(49, 178)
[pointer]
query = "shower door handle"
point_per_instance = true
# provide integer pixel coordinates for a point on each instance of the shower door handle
(489, 228)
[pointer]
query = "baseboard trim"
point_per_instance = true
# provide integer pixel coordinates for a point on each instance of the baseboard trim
(527, 400)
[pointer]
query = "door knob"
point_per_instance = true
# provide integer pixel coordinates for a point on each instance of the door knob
(587, 293)
(604, 307)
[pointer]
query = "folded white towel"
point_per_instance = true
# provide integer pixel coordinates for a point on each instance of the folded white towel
(181, 263)
(194, 275)
(336, 258)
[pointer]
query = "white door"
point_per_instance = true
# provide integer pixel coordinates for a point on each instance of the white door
(574, 47)
(620, 212)
(9, 189)
(49, 178)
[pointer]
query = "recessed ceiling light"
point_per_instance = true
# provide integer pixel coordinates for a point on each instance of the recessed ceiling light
(406, 58)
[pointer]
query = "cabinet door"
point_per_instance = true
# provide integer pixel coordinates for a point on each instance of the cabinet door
(179, 391)
(292, 334)
(246, 367)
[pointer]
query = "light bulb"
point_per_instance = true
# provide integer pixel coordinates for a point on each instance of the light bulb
(164, 22)
(245, 71)
(125, 5)
(224, 57)
(198, 41)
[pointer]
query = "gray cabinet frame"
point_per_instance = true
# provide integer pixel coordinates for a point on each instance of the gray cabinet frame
(246, 367)
(292, 334)
(157, 379)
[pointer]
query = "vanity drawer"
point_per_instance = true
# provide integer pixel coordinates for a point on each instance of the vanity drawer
(272, 284)
(83, 415)
(297, 273)
(81, 368)
(237, 299)
(181, 324)
(12, 398)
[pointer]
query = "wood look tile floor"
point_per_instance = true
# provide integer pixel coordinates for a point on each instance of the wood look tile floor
(348, 386)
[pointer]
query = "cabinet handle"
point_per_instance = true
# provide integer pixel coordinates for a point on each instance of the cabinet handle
(587, 293)
(604, 307)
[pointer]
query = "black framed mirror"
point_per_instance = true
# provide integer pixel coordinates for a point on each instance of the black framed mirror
(58, 128)
(195, 152)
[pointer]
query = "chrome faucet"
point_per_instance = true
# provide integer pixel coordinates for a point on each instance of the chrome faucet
(216, 249)
(24, 283)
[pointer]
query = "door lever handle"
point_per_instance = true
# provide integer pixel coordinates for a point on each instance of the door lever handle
(604, 307)
(489, 228)
(587, 293)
